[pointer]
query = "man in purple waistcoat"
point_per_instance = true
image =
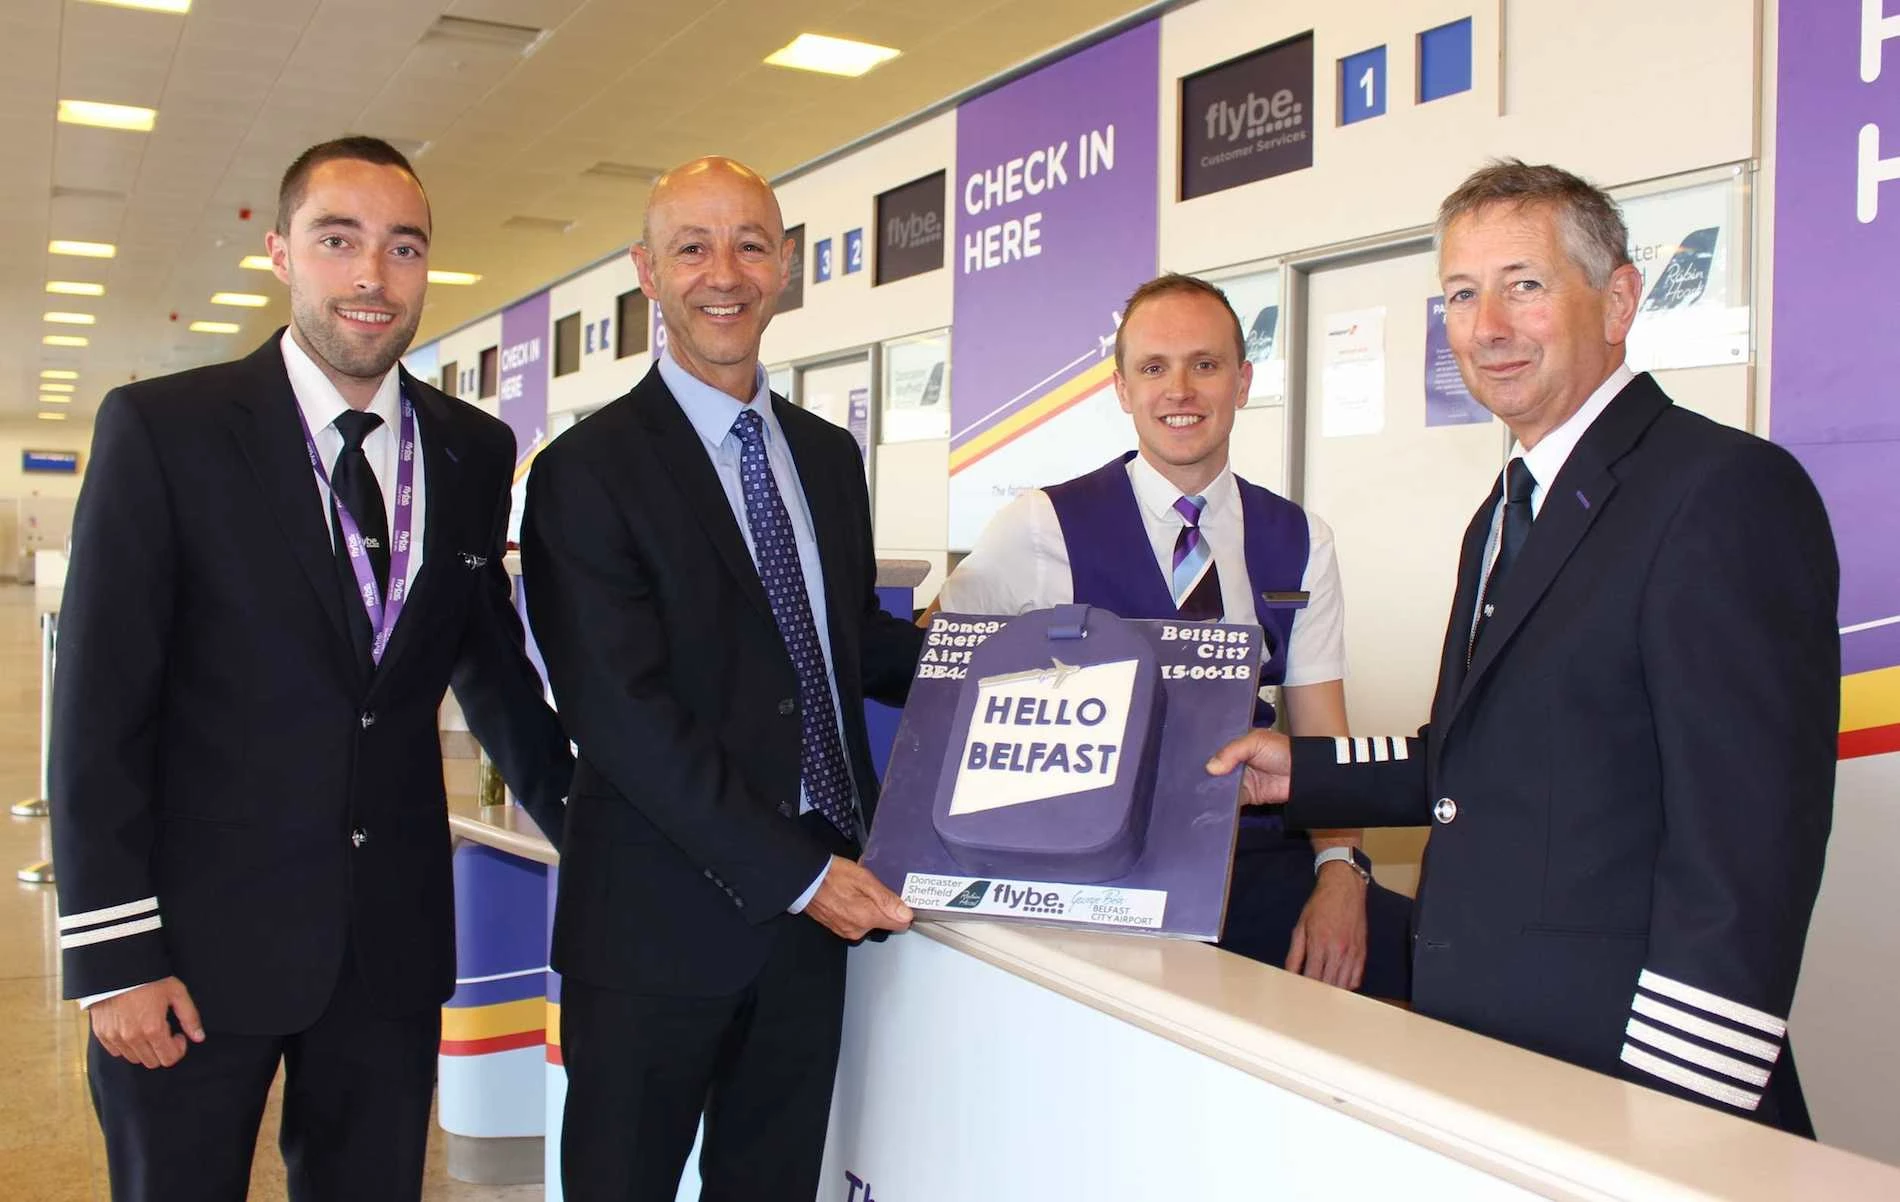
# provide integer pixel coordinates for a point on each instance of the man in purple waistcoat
(1169, 531)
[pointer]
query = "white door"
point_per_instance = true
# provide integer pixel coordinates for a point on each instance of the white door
(1397, 493)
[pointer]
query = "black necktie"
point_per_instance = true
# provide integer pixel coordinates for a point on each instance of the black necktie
(354, 487)
(1512, 531)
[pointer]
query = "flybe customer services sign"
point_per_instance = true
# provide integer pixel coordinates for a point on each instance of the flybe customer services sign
(1055, 185)
(1050, 767)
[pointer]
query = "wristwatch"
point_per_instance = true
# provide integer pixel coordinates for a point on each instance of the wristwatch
(1345, 855)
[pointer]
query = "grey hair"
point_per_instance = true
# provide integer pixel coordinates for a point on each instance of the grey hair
(1588, 221)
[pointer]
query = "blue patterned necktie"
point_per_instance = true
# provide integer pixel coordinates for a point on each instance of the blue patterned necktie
(821, 766)
(1196, 578)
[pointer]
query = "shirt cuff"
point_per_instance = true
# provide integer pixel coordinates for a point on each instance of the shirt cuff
(87, 1003)
(804, 899)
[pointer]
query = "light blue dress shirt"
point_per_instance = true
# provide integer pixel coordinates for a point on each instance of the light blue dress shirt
(712, 414)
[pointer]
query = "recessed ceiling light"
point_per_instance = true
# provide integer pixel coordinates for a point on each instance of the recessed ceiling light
(255, 262)
(830, 56)
(49, 386)
(107, 116)
(49, 399)
(74, 288)
(157, 6)
(70, 319)
(457, 278)
(52, 417)
(214, 327)
(64, 340)
(85, 250)
(58, 373)
(243, 300)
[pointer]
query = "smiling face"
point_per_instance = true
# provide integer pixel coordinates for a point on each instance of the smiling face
(1182, 377)
(1532, 336)
(715, 258)
(356, 258)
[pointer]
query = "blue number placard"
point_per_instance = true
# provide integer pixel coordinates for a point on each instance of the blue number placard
(1362, 85)
(853, 251)
(1444, 61)
(821, 261)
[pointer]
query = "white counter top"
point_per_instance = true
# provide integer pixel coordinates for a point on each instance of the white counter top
(1548, 1126)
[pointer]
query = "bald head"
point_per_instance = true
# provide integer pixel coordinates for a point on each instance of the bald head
(714, 257)
(711, 176)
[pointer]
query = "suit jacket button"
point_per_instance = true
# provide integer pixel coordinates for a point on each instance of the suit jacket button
(368, 719)
(1445, 811)
(787, 706)
(358, 837)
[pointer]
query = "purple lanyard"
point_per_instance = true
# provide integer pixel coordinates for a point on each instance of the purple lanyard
(382, 619)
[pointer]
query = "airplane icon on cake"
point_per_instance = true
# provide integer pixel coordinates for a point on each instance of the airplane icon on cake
(1056, 669)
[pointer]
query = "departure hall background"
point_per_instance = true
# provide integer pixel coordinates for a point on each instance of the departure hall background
(970, 215)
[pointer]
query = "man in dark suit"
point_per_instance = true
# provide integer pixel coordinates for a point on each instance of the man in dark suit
(279, 566)
(700, 577)
(1629, 766)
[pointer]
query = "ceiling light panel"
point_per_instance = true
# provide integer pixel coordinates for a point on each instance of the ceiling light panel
(64, 340)
(58, 373)
(70, 319)
(255, 262)
(830, 56)
(243, 300)
(156, 6)
(84, 250)
(456, 278)
(214, 327)
(74, 288)
(107, 116)
(52, 417)
(50, 386)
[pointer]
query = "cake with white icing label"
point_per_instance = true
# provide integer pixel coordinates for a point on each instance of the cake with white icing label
(1049, 768)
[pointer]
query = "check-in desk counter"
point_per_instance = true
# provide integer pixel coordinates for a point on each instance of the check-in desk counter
(989, 1061)
(1002, 1062)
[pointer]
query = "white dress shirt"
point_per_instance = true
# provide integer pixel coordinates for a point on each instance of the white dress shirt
(1546, 459)
(1021, 562)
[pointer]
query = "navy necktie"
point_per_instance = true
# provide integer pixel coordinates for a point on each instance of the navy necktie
(821, 766)
(1512, 531)
(353, 485)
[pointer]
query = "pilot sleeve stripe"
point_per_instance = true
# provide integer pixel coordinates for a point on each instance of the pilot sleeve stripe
(1401, 750)
(1682, 1049)
(1381, 750)
(1361, 753)
(108, 914)
(1715, 1004)
(1689, 1079)
(105, 934)
(1342, 749)
(1702, 1028)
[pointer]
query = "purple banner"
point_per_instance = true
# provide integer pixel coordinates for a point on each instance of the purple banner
(1447, 401)
(1055, 188)
(524, 373)
(1837, 293)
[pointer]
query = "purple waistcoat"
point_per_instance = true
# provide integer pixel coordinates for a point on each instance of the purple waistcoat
(1101, 521)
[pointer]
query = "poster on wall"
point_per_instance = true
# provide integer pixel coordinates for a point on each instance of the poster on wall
(794, 295)
(1352, 374)
(1248, 119)
(1447, 401)
(1056, 179)
(1694, 307)
(1836, 356)
(1255, 296)
(523, 383)
(840, 392)
(916, 388)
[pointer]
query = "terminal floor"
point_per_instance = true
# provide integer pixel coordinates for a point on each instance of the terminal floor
(50, 1148)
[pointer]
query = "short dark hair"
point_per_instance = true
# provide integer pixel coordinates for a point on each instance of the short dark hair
(1588, 221)
(1172, 284)
(359, 147)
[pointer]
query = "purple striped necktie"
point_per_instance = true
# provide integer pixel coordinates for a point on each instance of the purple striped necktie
(1196, 579)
